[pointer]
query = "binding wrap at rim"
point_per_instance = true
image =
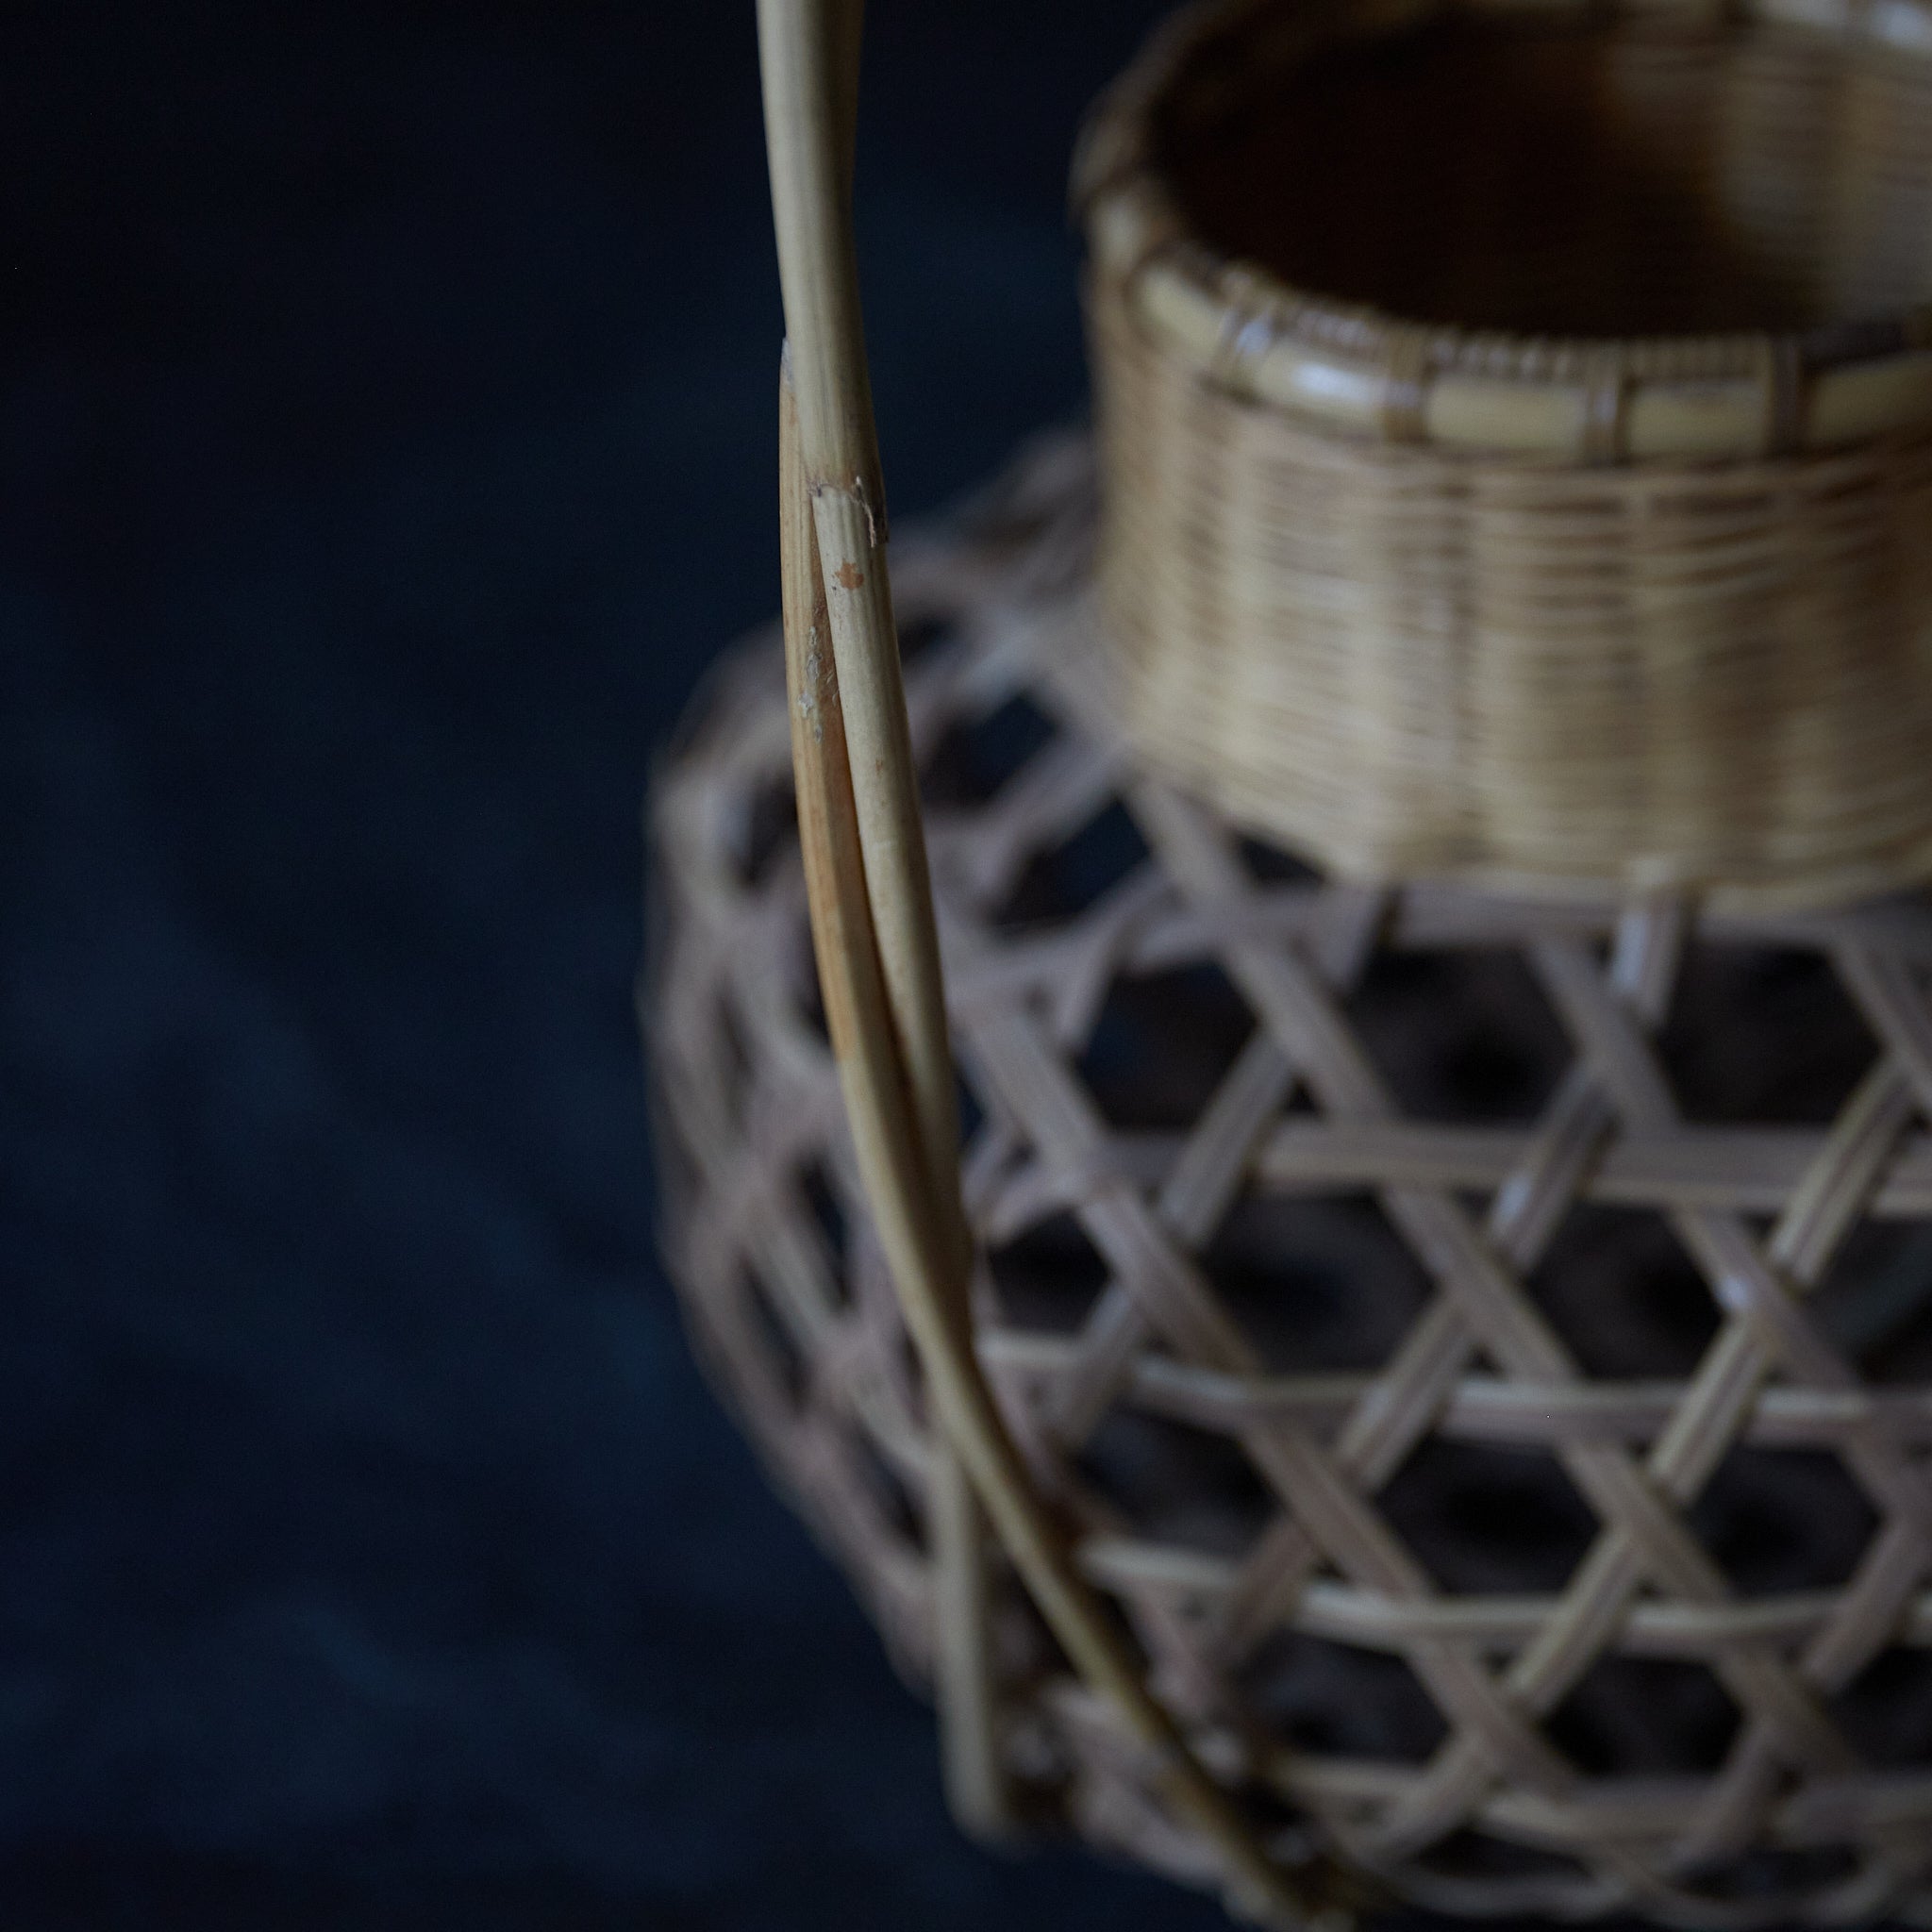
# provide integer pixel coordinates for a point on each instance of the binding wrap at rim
(1348, 367)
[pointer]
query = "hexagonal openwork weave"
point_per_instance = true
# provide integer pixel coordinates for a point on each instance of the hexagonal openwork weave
(1484, 1344)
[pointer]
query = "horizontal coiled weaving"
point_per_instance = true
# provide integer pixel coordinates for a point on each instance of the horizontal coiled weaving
(1517, 437)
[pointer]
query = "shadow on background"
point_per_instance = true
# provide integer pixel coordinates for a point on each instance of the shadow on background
(386, 444)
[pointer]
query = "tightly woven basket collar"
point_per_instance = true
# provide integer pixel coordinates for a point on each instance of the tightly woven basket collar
(1356, 368)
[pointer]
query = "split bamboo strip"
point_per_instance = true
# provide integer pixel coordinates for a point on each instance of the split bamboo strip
(871, 906)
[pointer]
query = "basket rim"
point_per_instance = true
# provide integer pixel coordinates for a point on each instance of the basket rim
(1358, 367)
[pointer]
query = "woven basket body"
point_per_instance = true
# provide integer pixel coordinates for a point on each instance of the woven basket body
(1481, 1346)
(1428, 550)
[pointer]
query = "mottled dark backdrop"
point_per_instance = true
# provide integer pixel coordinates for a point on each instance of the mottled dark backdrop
(386, 443)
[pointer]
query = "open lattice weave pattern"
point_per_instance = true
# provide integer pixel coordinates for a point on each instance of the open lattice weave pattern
(1480, 1346)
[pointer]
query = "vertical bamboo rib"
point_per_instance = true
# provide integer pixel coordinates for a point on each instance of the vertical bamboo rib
(964, 1660)
(806, 92)
(808, 51)
(871, 904)
(841, 921)
(901, 1188)
(837, 506)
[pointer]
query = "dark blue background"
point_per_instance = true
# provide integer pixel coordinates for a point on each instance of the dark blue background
(386, 443)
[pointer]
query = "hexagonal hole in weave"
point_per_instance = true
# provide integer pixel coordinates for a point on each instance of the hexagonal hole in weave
(1341, 1700)
(1473, 1857)
(1875, 1301)
(979, 752)
(764, 828)
(1269, 865)
(1762, 1035)
(971, 1113)
(1644, 1716)
(1319, 1284)
(1162, 1045)
(1778, 1874)
(808, 995)
(1486, 1520)
(782, 1360)
(1047, 1277)
(1177, 1484)
(921, 635)
(826, 1213)
(1617, 1287)
(886, 1491)
(1779, 1520)
(1886, 1711)
(1465, 1038)
(1062, 881)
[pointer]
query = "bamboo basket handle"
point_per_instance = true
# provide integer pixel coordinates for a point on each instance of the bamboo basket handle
(877, 945)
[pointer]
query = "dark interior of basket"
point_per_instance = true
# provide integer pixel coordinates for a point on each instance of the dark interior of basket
(1642, 180)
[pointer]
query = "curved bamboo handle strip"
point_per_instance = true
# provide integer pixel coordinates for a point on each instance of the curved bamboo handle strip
(871, 900)
(811, 70)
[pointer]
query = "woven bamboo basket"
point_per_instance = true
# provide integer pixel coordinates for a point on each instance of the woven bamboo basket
(1517, 433)
(1477, 1348)
(1349, 1382)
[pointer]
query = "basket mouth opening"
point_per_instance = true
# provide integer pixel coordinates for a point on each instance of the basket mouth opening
(1654, 178)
